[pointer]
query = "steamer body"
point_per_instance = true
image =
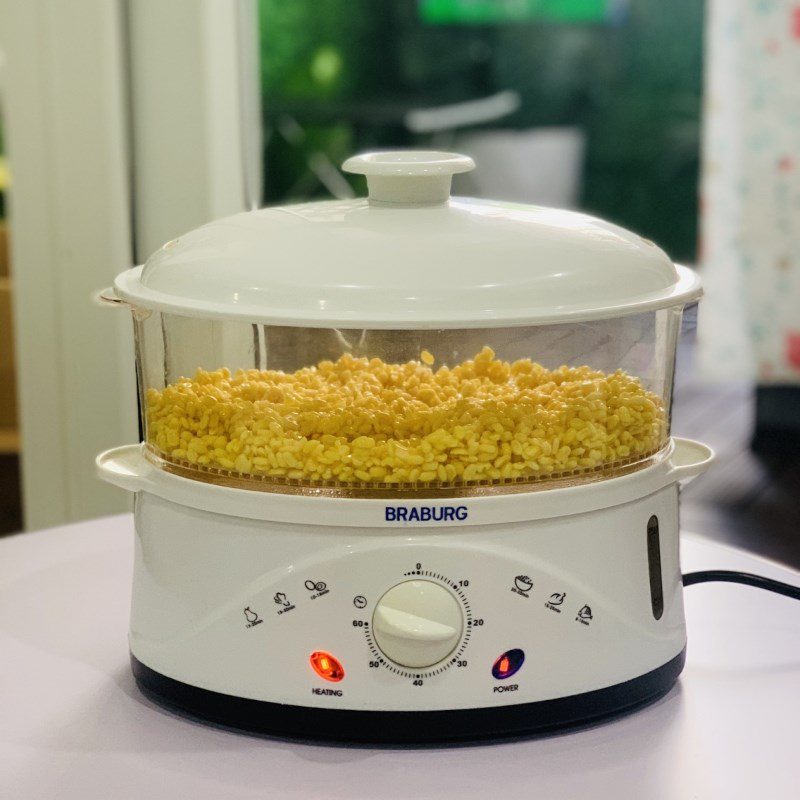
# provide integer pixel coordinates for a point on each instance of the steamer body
(382, 497)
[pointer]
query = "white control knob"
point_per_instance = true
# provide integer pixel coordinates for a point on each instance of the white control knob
(417, 623)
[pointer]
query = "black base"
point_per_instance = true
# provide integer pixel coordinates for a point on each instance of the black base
(406, 727)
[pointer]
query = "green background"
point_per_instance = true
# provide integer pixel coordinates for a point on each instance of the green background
(338, 75)
(481, 11)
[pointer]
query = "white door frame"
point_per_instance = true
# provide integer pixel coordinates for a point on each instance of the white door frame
(99, 160)
(196, 121)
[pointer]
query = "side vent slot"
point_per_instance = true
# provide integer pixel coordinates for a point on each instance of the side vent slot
(654, 565)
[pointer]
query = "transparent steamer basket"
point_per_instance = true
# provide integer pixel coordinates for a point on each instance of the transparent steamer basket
(425, 413)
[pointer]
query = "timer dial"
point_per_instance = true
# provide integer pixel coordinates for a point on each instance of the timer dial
(417, 623)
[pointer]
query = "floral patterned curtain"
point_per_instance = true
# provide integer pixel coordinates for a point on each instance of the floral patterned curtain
(750, 197)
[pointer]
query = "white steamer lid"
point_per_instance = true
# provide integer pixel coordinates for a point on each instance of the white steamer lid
(409, 256)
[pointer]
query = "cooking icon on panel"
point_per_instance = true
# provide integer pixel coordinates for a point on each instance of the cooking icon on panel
(523, 583)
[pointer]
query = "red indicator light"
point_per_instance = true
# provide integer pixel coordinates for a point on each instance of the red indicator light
(326, 666)
(508, 664)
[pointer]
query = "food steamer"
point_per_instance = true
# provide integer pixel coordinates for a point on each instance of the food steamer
(407, 472)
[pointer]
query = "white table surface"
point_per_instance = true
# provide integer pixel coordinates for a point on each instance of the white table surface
(73, 725)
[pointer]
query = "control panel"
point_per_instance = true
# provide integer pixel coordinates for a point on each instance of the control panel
(407, 619)
(416, 625)
(420, 624)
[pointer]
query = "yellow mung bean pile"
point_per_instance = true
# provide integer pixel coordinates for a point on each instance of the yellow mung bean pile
(360, 420)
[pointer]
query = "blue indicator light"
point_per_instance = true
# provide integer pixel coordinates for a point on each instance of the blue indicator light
(508, 664)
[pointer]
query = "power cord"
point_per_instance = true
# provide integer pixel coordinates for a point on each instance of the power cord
(746, 578)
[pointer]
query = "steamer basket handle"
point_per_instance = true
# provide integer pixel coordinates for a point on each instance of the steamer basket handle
(689, 459)
(107, 298)
(125, 467)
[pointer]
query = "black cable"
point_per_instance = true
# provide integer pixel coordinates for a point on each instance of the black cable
(730, 576)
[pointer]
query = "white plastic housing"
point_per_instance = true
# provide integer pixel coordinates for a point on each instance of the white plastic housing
(314, 587)
(234, 590)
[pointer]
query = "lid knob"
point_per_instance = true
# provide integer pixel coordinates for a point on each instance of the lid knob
(408, 177)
